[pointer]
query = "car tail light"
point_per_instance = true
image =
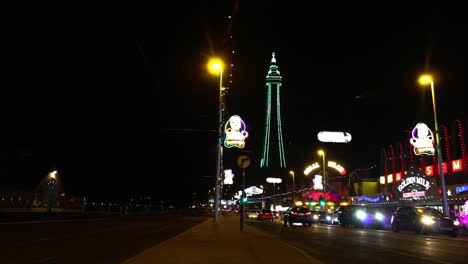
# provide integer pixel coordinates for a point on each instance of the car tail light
(308, 213)
(294, 213)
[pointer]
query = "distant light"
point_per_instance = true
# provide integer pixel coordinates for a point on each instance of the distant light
(425, 79)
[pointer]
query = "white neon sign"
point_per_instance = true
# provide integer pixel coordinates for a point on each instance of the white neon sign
(414, 180)
(422, 140)
(228, 175)
(235, 132)
(337, 167)
(311, 168)
(274, 180)
(318, 182)
(334, 137)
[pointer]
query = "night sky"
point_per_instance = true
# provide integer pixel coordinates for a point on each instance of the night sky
(119, 101)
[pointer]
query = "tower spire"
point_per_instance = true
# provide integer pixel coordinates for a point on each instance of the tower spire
(273, 74)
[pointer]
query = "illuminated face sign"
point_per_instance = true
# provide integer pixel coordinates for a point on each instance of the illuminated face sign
(235, 132)
(334, 137)
(228, 175)
(422, 140)
(253, 190)
(318, 182)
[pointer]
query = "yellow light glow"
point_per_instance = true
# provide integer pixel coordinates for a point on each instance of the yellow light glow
(425, 79)
(298, 203)
(215, 65)
(321, 152)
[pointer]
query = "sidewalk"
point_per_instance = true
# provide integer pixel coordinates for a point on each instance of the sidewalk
(210, 243)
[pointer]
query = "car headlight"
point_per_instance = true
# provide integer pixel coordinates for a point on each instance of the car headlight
(456, 222)
(328, 218)
(315, 217)
(427, 220)
(361, 215)
(379, 216)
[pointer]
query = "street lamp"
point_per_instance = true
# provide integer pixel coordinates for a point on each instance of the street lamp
(294, 186)
(425, 80)
(322, 153)
(215, 66)
(263, 191)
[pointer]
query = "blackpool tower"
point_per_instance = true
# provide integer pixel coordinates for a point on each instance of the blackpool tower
(273, 155)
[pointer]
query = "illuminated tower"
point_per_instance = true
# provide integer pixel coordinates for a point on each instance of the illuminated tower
(273, 150)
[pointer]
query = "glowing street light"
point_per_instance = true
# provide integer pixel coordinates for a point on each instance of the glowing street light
(425, 80)
(215, 66)
(294, 186)
(322, 153)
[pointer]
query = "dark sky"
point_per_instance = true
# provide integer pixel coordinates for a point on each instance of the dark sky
(118, 99)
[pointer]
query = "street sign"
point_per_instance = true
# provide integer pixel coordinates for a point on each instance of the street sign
(243, 161)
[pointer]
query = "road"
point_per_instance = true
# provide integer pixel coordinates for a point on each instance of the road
(335, 244)
(102, 240)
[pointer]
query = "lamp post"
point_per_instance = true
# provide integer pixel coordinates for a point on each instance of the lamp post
(425, 80)
(216, 66)
(263, 190)
(294, 186)
(322, 153)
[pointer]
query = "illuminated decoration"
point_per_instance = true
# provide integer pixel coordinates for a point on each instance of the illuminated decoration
(311, 168)
(390, 178)
(318, 182)
(372, 200)
(337, 167)
(235, 132)
(422, 140)
(457, 165)
(274, 180)
(330, 164)
(414, 180)
(448, 151)
(334, 137)
(402, 157)
(228, 175)
(461, 134)
(382, 179)
(398, 177)
(461, 189)
(414, 194)
(273, 140)
(253, 190)
(334, 197)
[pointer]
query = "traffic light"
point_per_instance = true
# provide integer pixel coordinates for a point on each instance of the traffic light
(391, 195)
(244, 200)
(322, 201)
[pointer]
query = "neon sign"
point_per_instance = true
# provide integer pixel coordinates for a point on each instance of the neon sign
(228, 175)
(334, 137)
(413, 194)
(414, 180)
(235, 132)
(422, 140)
(461, 189)
(318, 182)
(372, 200)
(337, 167)
(311, 168)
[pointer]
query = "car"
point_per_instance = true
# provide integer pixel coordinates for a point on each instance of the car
(265, 214)
(360, 216)
(297, 214)
(423, 220)
(333, 218)
(319, 217)
(252, 214)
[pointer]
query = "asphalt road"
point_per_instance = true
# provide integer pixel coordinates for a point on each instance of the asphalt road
(103, 240)
(335, 244)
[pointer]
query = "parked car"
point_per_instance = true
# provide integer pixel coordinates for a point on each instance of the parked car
(265, 214)
(423, 220)
(252, 214)
(360, 216)
(297, 214)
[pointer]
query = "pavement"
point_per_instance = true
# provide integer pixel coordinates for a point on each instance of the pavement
(223, 242)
